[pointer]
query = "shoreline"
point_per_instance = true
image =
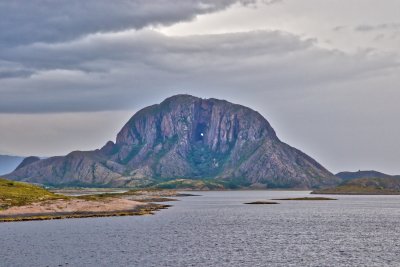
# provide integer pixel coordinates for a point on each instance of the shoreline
(147, 209)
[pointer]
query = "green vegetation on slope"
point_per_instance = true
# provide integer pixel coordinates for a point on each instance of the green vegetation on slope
(18, 194)
(366, 186)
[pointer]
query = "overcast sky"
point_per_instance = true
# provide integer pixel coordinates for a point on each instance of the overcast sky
(325, 74)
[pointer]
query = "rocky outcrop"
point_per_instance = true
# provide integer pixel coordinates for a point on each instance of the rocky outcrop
(187, 137)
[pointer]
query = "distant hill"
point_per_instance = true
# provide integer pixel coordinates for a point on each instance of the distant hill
(366, 186)
(9, 163)
(345, 176)
(364, 183)
(186, 137)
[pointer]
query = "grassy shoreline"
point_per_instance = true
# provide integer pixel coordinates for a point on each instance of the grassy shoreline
(148, 209)
(26, 202)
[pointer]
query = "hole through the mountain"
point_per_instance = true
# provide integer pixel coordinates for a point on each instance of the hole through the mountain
(200, 131)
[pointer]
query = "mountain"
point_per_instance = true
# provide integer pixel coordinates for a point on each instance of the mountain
(186, 137)
(27, 161)
(9, 163)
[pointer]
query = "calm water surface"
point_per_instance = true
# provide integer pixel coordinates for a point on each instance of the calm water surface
(216, 229)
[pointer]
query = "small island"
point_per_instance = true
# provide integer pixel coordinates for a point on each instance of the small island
(306, 198)
(261, 203)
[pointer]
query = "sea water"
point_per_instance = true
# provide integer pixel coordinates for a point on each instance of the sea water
(217, 229)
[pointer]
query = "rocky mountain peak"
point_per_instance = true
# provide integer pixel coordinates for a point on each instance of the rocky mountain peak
(215, 123)
(188, 137)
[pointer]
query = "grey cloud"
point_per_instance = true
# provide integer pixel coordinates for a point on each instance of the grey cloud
(65, 59)
(264, 2)
(384, 26)
(109, 71)
(13, 70)
(14, 73)
(339, 28)
(270, 2)
(25, 22)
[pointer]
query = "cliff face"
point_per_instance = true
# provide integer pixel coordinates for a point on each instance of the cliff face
(187, 137)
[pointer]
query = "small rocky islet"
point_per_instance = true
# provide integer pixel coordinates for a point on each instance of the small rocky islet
(261, 203)
(305, 199)
(268, 202)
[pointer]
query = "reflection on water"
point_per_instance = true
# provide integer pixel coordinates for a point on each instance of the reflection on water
(217, 229)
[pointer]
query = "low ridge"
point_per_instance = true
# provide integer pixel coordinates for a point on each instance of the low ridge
(345, 176)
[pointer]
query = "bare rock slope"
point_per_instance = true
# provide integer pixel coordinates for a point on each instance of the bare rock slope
(186, 137)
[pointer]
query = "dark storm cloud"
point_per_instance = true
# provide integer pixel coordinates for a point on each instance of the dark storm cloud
(25, 22)
(110, 71)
